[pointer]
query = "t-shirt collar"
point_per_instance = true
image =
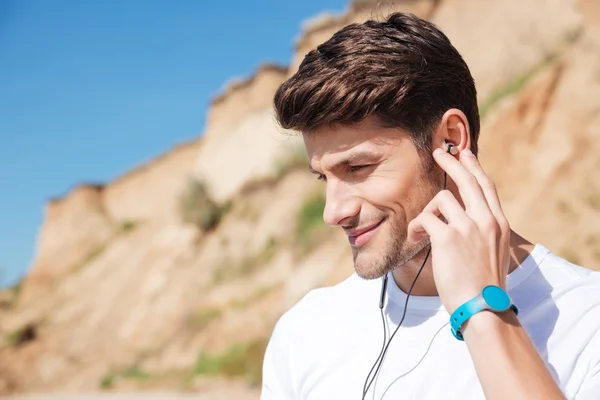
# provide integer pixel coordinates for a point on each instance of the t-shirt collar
(433, 303)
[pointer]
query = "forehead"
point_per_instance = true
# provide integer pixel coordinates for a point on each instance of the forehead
(339, 140)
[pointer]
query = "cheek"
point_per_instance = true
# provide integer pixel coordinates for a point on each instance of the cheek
(384, 193)
(403, 196)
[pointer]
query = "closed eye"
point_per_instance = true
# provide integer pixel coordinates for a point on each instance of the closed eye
(355, 168)
(351, 169)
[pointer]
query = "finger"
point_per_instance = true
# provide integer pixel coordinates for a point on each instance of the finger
(488, 187)
(468, 186)
(425, 224)
(446, 205)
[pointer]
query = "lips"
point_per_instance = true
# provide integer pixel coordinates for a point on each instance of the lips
(360, 237)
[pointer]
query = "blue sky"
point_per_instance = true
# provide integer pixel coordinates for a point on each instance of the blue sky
(90, 89)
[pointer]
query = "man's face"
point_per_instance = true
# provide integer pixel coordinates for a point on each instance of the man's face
(376, 184)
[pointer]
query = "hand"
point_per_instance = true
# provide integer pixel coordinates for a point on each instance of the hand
(471, 250)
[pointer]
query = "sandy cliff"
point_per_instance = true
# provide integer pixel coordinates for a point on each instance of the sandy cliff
(73, 227)
(82, 224)
(123, 294)
(242, 141)
(542, 146)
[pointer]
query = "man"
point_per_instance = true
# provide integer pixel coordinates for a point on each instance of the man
(468, 309)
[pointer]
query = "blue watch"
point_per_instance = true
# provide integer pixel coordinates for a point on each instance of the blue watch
(491, 298)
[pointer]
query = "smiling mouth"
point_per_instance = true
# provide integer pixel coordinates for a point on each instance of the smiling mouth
(363, 236)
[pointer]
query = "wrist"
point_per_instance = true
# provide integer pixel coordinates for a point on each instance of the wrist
(492, 299)
(488, 323)
(467, 294)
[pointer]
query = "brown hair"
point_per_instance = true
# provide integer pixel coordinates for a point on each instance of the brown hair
(404, 71)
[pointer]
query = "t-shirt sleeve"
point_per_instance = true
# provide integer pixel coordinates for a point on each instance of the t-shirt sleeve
(590, 390)
(277, 371)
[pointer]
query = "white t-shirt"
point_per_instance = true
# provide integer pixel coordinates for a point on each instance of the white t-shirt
(324, 346)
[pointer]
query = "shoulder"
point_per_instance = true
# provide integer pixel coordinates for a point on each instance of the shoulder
(545, 274)
(318, 315)
(565, 276)
(309, 328)
(560, 296)
(328, 304)
(557, 294)
(322, 312)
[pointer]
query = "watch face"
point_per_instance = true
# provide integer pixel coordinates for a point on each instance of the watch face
(496, 298)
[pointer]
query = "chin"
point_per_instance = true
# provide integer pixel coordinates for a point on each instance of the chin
(365, 272)
(373, 262)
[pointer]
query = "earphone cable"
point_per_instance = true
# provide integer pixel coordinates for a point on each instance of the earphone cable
(384, 351)
(380, 353)
(380, 359)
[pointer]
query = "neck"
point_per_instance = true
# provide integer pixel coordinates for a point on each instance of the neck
(404, 276)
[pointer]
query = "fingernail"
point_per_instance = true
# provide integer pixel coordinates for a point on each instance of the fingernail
(438, 151)
(468, 153)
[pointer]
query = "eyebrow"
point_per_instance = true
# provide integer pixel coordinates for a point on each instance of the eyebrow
(356, 157)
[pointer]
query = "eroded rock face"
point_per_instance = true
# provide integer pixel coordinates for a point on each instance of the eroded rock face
(119, 281)
(242, 140)
(84, 222)
(542, 148)
(151, 192)
(499, 41)
(73, 227)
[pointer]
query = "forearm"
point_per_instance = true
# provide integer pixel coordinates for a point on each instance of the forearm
(507, 363)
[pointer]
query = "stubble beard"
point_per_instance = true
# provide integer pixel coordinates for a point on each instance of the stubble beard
(396, 251)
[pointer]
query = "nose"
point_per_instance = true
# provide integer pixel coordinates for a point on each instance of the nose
(340, 204)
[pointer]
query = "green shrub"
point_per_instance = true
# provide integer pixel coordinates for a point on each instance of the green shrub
(11, 339)
(232, 269)
(134, 373)
(268, 251)
(512, 86)
(198, 208)
(9, 297)
(16, 289)
(202, 318)
(238, 360)
(296, 158)
(293, 159)
(309, 220)
(128, 226)
(107, 382)
(91, 256)
(255, 296)
(21, 336)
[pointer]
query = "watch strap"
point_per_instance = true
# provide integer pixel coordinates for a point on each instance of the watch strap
(467, 310)
(463, 313)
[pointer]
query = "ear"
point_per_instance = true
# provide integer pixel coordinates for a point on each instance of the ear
(453, 128)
